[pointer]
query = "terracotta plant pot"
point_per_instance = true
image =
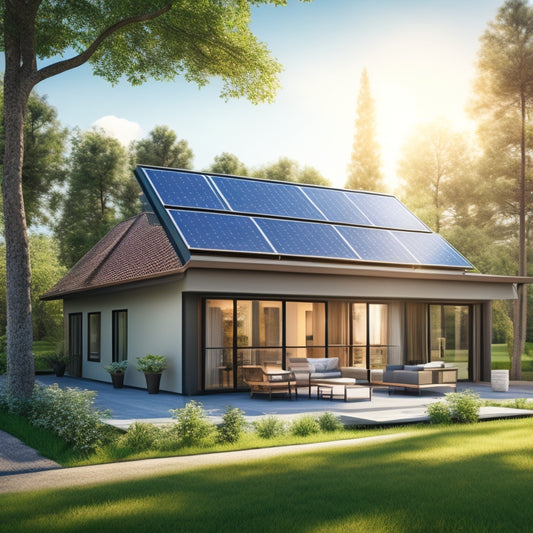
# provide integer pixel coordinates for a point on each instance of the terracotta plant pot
(152, 383)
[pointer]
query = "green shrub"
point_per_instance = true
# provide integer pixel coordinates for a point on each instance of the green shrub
(139, 437)
(439, 413)
(464, 406)
(270, 427)
(461, 407)
(3, 363)
(329, 422)
(305, 426)
(192, 425)
(233, 424)
(70, 413)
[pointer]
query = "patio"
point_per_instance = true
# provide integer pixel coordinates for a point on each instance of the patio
(130, 404)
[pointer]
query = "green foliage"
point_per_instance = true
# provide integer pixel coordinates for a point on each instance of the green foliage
(304, 426)
(233, 424)
(139, 437)
(192, 426)
(460, 407)
(439, 413)
(116, 367)
(151, 364)
(364, 170)
(269, 427)
(69, 413)
(227, 163)
(329, 422)
(163, 149)
(97, 168)
(43, 167)
(286, 169)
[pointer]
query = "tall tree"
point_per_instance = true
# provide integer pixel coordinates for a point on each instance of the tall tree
(96, 170)
(137, 40)
(364, 170)
(504, 87)
(43, 167)
(163, 149)
(437, 169)
(227, 163)
(285, 169)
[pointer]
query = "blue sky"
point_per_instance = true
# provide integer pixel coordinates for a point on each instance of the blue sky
(419, 55)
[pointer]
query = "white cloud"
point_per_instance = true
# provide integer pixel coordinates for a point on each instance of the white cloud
(122, 129)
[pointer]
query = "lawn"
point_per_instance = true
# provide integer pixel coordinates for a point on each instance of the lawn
(456, 478)
(500, 360)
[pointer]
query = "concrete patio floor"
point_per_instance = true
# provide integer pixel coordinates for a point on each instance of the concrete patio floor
(130, 404)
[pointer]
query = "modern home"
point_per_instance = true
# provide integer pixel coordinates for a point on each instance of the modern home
(225, 271)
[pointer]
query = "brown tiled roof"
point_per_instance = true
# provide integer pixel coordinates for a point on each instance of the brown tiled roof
(133, 250)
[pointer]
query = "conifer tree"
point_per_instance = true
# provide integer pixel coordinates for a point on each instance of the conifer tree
(364, 170)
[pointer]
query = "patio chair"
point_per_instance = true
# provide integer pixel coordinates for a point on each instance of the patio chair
(269, 383)
(300, 374)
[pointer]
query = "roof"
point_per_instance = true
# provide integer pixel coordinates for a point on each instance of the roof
(215, 214)
(132, 251)
(138, 251)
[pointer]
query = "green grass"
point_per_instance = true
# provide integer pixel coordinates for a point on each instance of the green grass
(45, 442)
(500, 360)
(456, 478)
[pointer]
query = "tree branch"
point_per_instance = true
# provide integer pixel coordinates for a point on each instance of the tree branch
(73, 62)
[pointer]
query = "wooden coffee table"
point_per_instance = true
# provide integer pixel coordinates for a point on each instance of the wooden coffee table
(324, 387)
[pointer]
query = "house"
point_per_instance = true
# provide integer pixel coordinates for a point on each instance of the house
(225, 271)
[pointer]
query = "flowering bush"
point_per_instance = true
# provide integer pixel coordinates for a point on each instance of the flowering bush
(70, 413)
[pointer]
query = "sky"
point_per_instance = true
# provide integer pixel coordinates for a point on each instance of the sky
(420, 56)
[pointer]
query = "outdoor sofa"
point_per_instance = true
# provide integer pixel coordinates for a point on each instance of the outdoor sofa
(422, 376)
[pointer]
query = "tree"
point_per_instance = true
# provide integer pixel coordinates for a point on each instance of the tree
(364, 170)
(43, 167)
(504, 88)
(227, 163)
(285, 169)
(97, 168)
(46, 271)
(136, 40)
(163, 149)
(437, 169)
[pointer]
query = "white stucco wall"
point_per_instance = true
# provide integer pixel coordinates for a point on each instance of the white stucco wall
(154, 326)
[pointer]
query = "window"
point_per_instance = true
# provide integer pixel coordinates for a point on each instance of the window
(120, 335)
(75, 343)
(93, 334)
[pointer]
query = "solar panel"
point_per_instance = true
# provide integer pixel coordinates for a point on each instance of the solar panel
(181, 189)
(336, 206)
(386, 211)
(217, 231)
(377, 245)
(266, 198)
(431, 249)
(244, 215)
(308, 239)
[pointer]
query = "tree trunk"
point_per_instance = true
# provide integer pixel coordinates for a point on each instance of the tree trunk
(520, 306)
(17, 87)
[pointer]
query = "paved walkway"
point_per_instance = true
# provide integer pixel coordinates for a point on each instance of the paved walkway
(21, 468)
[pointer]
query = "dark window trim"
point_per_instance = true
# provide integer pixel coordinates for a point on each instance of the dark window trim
(115, 346)
(94, 356)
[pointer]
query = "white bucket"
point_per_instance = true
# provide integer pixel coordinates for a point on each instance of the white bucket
(499, 380)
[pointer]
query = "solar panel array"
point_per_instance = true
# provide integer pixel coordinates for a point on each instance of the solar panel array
(213, 213)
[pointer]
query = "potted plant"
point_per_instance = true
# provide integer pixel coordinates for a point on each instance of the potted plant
(152, 366)
(117, 369)
(58, 362)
